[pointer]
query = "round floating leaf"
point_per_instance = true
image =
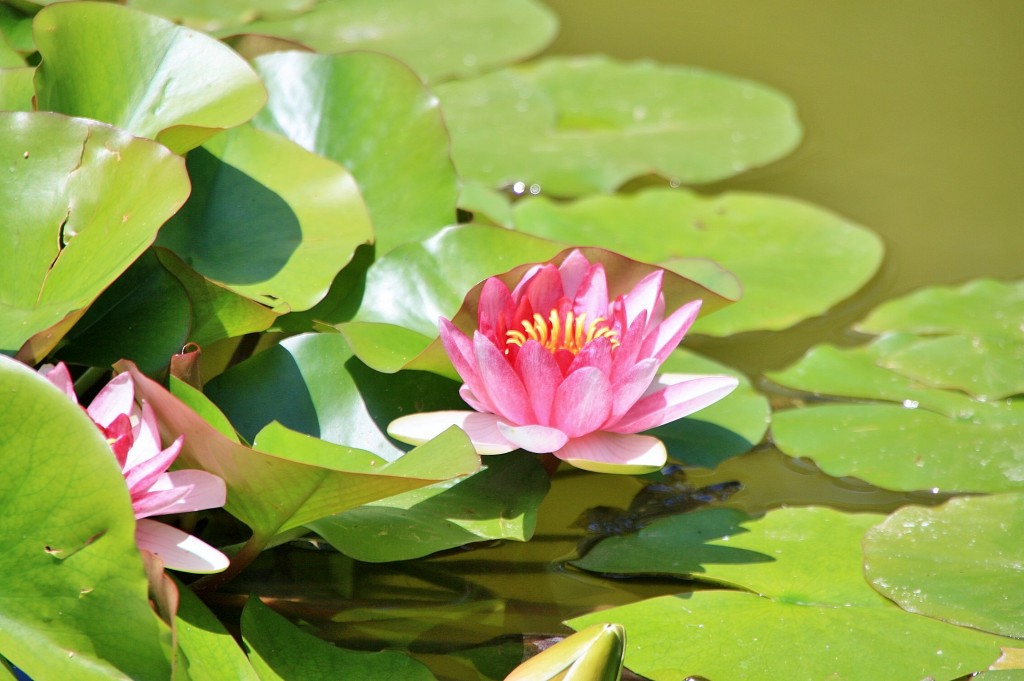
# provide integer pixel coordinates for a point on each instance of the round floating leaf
(81, 201)
(17, 88)
(141, 73)
(211, 650)
(279, 651)
(439, 39)
(794, 260)
(210, 16)
(584, 125)
(792, 555)
(962, 562)
(727, 428)
(16, 29)
(73, 595)
(927, 439)
(973, 336)
(372, 115)
(498, 502)
(729, 635)
(268, 219)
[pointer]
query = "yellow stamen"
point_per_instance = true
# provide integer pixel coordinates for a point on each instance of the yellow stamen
(551, 335)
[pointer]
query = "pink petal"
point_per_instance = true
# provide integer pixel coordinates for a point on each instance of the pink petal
(482, 429)
(591, 296)
(495, 309)
(629, 347)
(536, 439)
(613, 453)
(540, 375)
(597, 353)
(60, 377)
(674, 401)
(646, 295)
(469, 398)
(116, 397)
(147, 439)
(178, 550)
(543, 290)
(149, 467)
(159, 502)
(572, 271)
(503, 386)
(460, 352)
(667, 336)
(631, 386)
(206, 490)
(582, 402)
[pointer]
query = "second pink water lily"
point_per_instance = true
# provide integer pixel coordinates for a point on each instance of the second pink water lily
(556, 366)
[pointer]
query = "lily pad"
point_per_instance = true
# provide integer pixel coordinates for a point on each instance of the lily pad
(808, 556)
(913, 437)
(268, 219)
(87, 200)
(727, 428)
(17, 88)
(210, 16)
(728, 635)
(211, 650)
(919, 558)
(372, 115)
(73, 596)
(439, 39)
(498, 502)
(574, 126)
(280, 651)
(141, 73)
(805, 261)
(978, 323)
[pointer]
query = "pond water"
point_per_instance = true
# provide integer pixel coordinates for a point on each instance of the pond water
(914, 127)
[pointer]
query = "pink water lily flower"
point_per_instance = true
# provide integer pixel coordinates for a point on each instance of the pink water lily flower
(555, 366)
(132, 432)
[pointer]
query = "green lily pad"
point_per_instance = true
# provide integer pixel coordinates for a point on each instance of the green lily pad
(978, 323)
(296, 479)
(372, 115)
(268, 219)
(805, 261)
(211, 650)
(594, 654)
(914, 437)
(73, 596)
(728, 635)
(418, 283)
(16, 29)
(9, 57)
(143, 316)
(17, 88)
(280, 651)
(439, 39)
(729, 427)
(210, 16)
(88, 199)
(919, 557)
(498, 502)
(312, 383)
(574, 126)
(808, 556)
(141, 73)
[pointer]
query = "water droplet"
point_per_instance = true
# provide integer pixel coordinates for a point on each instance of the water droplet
(535, 189)
(910, 404)
(519, 188)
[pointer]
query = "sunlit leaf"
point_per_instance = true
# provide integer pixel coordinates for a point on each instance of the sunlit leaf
(80, 202)
(73, 601)
(439, 39)
(794, 555)
(17, 88)
(793, 259)
(962, 562)
(211, 650)
(210, 16)
(16, 29)
(728, 634)
(914, 437)
(282, 652)
(267, 219)
(141, 73)
(498, 502)
(574, 126)
(372, 115)
(972, 338)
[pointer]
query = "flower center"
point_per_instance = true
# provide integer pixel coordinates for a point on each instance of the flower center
(555, 334)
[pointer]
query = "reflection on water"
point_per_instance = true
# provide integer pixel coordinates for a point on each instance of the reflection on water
(914, 127)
